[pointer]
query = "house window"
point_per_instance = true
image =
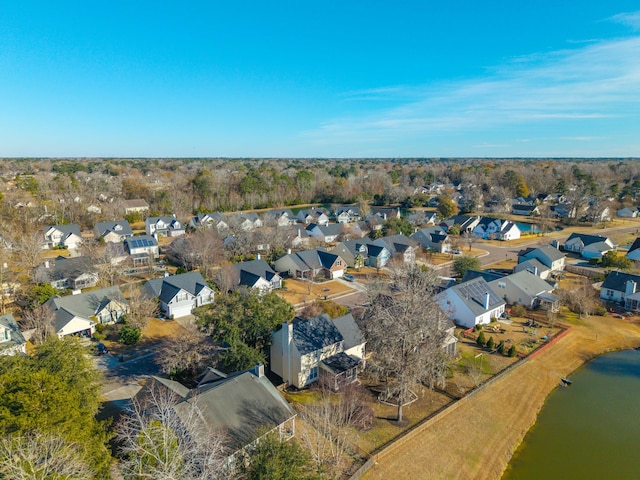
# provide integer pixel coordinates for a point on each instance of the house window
(313, 374)
(502, 285)
(610, 293)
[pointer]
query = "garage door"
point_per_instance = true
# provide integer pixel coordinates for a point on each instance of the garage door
(180, 310)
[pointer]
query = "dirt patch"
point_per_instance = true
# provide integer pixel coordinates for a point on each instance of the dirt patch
(478, 439)
(154, 333)
(298, 291)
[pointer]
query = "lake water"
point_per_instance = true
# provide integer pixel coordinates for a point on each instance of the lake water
(589, 430)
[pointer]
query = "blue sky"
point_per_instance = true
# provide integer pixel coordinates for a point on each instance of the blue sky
(320, 79)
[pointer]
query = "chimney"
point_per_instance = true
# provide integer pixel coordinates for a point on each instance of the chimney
(258, 257)
(46, 264)
(258, 370)
(288, 251)
(630, 287)
(287, 338)
(486, 301)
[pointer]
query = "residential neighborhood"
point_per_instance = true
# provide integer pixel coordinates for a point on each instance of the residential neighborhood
(259, 315)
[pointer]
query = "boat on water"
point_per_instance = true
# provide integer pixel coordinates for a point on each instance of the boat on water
(566, 381)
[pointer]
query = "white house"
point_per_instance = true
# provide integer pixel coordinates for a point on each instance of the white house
(180, 294)
(12, 342)
(618, 286)
(496, 228)
(78, 314)
(62, 235)
(471, 303)
(164, 226)
(526, 289)
(541, 261)
(258, 275)
(589, 246)
(327, 233)
(114, 232)
(303, 350)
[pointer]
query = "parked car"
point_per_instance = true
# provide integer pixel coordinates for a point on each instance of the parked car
(349, 278)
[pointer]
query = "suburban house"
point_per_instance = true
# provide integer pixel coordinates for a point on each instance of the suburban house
(471, 303)
(619, 287)
(167, 226)
(283, 218)
(114, 232)
(541, 261)
(634, 250)
(259, 275)
(243, 405)
(12, 342)
(346, 213)
(465, 223)
(136, 205)
(327, 233)
(496, 228)
(180, 294)
(78, 314)
(245, 221)
(433, 238)
(68, 272)
(362, 252)
(525, 210)
(400, 246)
(589, 246)
(628, 212)
(142, 248)
(209, 220)
(304, 350)
(299, 237)
(420, 217)
(313, 215)
(62, 236)
(308, 264)
(526, 289)
(386, 213)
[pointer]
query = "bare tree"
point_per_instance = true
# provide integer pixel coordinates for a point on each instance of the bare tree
(328, 422)
(28, 251)
(160, 439)
(227, 279)
(141, 308)
(36, 456)
(469, 239)
(404, 329)
(40, 320)
(186, 353)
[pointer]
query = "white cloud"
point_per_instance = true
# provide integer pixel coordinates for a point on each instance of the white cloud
(631, 19)
(593, 82)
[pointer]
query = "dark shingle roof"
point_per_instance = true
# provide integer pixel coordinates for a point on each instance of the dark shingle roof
(167, 287)
(618, 280)
(250, 272)
(587, 239)
(349, 330)
(340, 362)
(314, 334)
(121, 227)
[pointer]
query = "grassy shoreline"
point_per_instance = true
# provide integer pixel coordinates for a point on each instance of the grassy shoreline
(478, 439)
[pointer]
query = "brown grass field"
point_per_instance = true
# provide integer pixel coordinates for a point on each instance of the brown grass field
(478, 438)
(298, 291)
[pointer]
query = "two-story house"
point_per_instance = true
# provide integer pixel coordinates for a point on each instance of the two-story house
(167, 226)
(433, 238)
(308, 264)
(589, 246)
(541, 261)
(258, 275)
(180, 294)
(362, 252)
(115, 232)
(62, 236)
(305, 349)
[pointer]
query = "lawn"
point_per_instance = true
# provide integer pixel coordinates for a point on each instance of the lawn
(298, 291)
(154, 333)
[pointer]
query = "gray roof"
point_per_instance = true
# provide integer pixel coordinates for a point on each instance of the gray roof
(349, 330)
(16, 337)
(243, 406)
(167, 287)
(618, 280)
(488, 276)
(172, 222)
(67, 230)
(62, 268)
(121, 227)
(314, 334)
(532, 265)
(83, 305)
(250, 272)
(327, 230)
(634, 246)
(552, 253)
(396, 244)
(529, 283)
(587, 239)
(473, 292)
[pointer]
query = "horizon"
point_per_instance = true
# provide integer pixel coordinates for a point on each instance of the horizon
(330, 80)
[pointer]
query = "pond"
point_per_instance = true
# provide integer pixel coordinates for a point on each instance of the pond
(590, 429)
